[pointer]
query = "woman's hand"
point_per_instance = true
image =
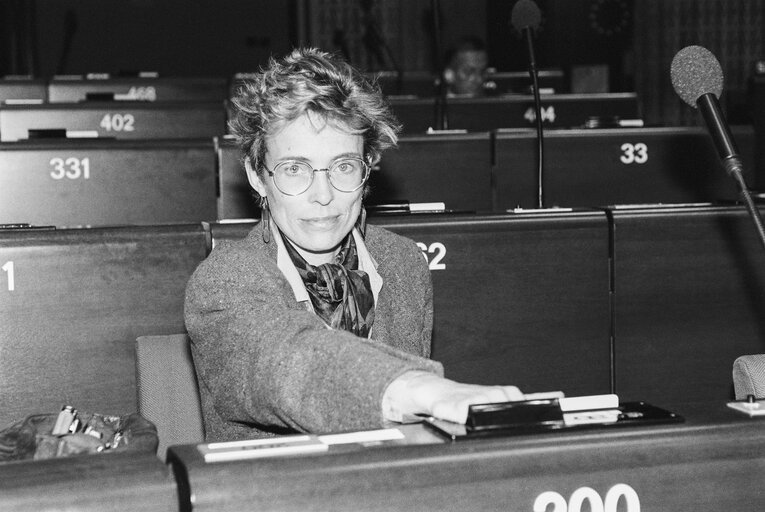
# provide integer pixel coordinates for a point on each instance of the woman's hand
(417, 392)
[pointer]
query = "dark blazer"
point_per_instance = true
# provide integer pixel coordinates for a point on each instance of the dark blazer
(268, 366)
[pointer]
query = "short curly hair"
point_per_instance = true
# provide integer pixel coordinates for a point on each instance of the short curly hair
(310, 80)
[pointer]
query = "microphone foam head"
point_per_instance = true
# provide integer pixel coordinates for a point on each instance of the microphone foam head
(525, 14)
(695, 72)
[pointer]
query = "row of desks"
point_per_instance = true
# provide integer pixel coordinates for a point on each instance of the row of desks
(652, 303)
(712, 461)
(205, 117)
(153, 87)
(104, 182)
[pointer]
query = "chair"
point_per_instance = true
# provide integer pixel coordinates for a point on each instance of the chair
(749, 376)
(168, 394)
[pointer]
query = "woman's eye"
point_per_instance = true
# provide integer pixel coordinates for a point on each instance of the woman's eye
(344, 168)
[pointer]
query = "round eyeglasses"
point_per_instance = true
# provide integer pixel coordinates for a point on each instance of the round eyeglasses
(293, 177)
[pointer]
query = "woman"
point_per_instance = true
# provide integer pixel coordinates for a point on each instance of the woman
(316, 322)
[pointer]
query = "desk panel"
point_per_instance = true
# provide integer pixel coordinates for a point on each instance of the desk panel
(756, 104)
(72, 303)
(519, 299)
(22, 88)
(689, 297)
(76, 88)
(236, 200)
(92, 182)
(98, 483)
(585, 168)
(120, 120)
(515, 111)
(453, 169)
(690, 467)
(424, 84)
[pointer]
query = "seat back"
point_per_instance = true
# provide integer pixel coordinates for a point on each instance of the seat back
(749, 376)
(168, 394)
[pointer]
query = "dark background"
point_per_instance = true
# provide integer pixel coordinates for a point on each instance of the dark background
(633, 41)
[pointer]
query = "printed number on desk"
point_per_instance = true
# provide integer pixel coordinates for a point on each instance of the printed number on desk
(434, 254)
(634, 153)
(146, 93)
(548, 114)
(596, 503)
(118, 123)
(71, 168)
(9, 277)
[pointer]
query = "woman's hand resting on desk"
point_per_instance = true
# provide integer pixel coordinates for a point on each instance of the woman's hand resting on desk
(417, 392)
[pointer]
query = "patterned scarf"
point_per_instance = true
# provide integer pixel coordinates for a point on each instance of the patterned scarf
(340, 293)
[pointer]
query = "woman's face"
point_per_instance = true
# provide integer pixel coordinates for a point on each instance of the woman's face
(317, 220)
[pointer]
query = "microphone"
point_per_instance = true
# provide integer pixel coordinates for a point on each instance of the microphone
(526, 17)
(441, 107)
(698, 79)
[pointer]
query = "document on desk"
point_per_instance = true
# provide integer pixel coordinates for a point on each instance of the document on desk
(259, 448)
(292, 445)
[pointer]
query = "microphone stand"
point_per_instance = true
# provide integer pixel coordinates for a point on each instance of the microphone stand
(713, 117)
(538, 110)
(441, 108)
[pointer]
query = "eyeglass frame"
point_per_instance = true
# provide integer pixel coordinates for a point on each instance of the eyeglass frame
(365, 163)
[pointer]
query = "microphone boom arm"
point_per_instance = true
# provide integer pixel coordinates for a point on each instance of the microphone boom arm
(538, 115)
(726, 148)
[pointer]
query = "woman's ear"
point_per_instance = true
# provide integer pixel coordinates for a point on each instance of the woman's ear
(254, 178)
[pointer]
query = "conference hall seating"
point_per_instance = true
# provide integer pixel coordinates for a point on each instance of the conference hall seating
(454, 169)
(111, 150)
(136, 87)
(600, 167)
(515, 111)
(73, 301)
(22, 89)
(423, 84)
(91, 182)
(654, 304)
(689, 292)
(120, 120)
(597, 296)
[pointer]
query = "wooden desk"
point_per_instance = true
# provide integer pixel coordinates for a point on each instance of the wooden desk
(97, 483)
(100, 182)
(75, 88)
(689, 297)
(515, 111)
(599, 167)
(715, 461)
(72, 303)
(120, 120)
(22, 88)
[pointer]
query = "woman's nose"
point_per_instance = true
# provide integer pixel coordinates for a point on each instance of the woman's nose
(321, 189)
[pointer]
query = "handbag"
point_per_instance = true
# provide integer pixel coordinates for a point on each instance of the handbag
(72, 432)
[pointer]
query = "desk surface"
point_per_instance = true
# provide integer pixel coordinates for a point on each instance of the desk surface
(712, 461)
(98, 483)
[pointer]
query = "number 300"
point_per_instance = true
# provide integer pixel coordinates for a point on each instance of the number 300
(597, 504)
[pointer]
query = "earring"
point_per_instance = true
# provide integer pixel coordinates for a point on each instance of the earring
(361, 222)
(265, 221)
